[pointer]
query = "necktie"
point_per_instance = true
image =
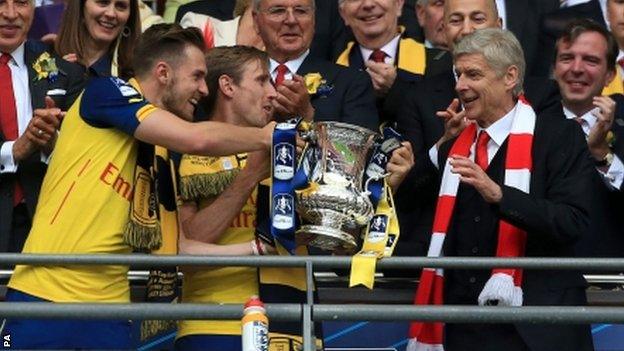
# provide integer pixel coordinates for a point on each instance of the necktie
(8, 113)
(620, 62)
(481, 157)
(377, 56)
(281, 74)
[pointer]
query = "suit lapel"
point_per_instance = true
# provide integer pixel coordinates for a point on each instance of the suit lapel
(444, 91)
(355, 58)
(38, 87)
(312, 65)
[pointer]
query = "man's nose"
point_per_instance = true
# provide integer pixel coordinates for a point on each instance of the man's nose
(8, 10)
(467, 27)
(577, 65)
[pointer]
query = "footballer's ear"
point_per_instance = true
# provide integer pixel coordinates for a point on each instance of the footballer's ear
(226, 85)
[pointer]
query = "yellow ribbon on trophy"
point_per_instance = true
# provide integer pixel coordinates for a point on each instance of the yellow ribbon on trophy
(381, 236)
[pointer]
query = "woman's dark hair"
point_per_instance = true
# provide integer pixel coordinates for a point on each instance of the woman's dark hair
(73, 36)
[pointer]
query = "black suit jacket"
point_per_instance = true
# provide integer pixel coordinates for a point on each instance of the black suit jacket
(555, 215)
(329, 29)
(30, 172)
(605, 237)
(522, 20)
(418, 123)
(389, 105)
(351, 99)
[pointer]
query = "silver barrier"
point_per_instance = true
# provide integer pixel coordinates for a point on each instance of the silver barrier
(310, 312)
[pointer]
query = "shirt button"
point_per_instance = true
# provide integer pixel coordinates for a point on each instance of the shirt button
(475, 250)
(472, 280)
(477, 219)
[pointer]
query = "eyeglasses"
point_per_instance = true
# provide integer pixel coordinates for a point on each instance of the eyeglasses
(280, 13)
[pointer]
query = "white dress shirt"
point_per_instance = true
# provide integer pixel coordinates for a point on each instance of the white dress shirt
(614, 176)
(21, 91)
(390, 49)
(292, 65)
(498, 132)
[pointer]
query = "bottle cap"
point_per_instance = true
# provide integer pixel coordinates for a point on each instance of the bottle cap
(254, 301)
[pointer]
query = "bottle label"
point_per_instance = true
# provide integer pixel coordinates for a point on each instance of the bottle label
(255, 336)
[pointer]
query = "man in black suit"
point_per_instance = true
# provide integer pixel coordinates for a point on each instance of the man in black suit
(552, 208)
(32, 96)
(420, 125)
(329, 29)
(382, 48)
(584, 65)
(307, 86)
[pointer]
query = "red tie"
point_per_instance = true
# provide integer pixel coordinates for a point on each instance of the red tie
(8, 113)
(481, 158)
(281, 74)
(377, 56)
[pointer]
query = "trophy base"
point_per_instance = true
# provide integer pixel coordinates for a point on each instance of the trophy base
(325, 238)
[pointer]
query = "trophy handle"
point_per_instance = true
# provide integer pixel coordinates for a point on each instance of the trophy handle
(367, 192)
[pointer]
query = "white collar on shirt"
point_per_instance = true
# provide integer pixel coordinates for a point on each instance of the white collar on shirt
(18, 56)
(499, 130)
(390, 49)
(589, 119)
(293, 65)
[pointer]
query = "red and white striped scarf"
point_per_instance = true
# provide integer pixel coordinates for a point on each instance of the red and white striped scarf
(504, 284)
(209, 35)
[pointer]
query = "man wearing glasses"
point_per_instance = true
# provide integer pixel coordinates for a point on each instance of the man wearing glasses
(307, 86)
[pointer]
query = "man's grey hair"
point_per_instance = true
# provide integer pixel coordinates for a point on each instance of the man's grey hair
(419, 2)
(256, 4)
(499, 47)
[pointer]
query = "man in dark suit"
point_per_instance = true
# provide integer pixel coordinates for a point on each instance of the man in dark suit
(584, 65)
(307, 86)
(28, 118)
(382, 49)
(546, 198)
(329, 29)
(419, 124)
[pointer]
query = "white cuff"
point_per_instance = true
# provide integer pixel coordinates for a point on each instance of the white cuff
(45, 158)
(614, 176)
(433, 156)
(7, 163)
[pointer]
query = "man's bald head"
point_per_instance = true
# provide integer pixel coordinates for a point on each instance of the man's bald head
(462, 17)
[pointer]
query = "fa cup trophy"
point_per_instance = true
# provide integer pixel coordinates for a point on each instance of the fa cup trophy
(335, 206)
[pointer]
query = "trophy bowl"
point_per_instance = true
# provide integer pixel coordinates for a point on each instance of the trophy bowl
(335, 207)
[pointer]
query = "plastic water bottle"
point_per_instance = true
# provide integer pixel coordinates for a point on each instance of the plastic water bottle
(255, 326)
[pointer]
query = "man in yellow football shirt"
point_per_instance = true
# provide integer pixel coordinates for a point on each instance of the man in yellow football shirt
(218, 215)
(86, 194)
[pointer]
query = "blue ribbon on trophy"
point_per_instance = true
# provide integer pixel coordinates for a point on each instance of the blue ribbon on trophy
(286, 177)
(283, 154)
(376, 168)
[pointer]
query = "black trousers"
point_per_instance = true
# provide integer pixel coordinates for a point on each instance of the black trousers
(20, 226)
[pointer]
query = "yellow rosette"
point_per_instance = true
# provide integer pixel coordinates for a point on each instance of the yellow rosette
(312, 82)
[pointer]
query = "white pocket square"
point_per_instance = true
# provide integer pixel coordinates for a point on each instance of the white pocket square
(56, 92)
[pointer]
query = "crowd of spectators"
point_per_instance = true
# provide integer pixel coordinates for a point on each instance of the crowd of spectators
(120, 133)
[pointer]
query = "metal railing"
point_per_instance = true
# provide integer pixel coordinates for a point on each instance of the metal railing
(309, 312)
